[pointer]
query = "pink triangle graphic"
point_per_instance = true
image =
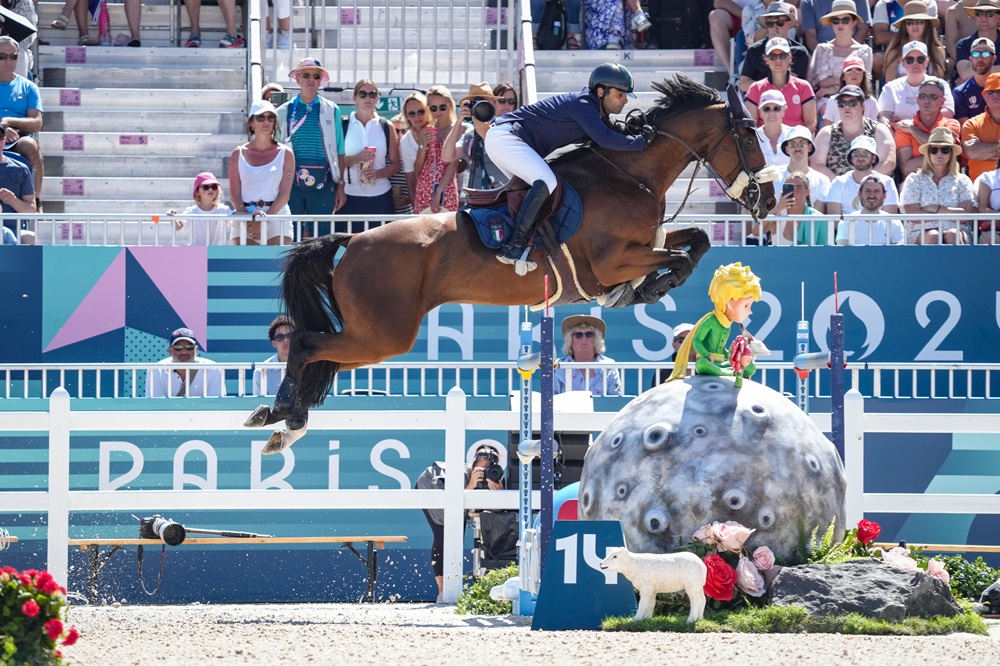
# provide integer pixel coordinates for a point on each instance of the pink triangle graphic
(181, 275)
(102, 310)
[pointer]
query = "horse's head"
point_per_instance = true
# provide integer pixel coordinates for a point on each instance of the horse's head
(741, 162)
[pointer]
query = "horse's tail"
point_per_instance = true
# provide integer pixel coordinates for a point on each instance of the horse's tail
(307, 288)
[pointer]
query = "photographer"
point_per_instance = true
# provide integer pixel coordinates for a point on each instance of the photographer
(465, 140)
(485, 473)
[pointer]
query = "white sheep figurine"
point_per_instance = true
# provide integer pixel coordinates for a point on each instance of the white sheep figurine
(652, 573)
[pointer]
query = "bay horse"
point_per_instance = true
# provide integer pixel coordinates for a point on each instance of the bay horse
(370, 307)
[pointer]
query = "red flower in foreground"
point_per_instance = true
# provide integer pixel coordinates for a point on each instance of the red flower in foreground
(867, 531)
(721, 578)
(71, 636)
(53, 628)
(30, 608)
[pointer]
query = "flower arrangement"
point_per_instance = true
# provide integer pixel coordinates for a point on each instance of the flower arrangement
(31, 618)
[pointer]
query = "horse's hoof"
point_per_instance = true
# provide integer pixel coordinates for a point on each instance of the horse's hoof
(258, 418)
(275, 443)
(285, 398)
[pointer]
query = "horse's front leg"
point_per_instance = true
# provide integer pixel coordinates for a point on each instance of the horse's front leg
(287, 405)
(645, 274)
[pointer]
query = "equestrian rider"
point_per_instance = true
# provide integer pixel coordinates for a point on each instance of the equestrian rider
(519, 141)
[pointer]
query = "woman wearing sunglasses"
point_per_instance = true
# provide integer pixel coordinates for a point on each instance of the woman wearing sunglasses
(583, 342)
(410, 153)
(207, 201)
(371, 154)
(854, 74)
(260, 180)
(800, 102)
(898, 99)
(828, 59)
(436, 187)
(916, 25)
(938, 188)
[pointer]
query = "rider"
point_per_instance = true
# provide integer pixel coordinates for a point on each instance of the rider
(519, 141)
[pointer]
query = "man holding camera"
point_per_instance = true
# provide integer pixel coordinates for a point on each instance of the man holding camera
(467, 142)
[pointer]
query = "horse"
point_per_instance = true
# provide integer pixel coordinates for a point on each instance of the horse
(369, 307)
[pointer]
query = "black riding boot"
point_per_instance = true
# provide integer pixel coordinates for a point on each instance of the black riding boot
(531, 208)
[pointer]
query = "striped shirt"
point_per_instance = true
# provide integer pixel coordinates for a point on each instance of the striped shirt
(307, 140)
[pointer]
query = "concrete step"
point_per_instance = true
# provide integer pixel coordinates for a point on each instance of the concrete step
(139, 99)
(143, 57)
(154, 29)
(110, 232)
(224, 122)
(142, 207)
(119, 166)
(99, 187)
(142, 78)
(149, 145)
(664, 59)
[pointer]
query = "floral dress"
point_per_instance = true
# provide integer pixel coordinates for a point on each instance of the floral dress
(919, 188)
(433, 172)
(606, 21)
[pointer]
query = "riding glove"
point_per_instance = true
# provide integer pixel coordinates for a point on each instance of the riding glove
(648, 134)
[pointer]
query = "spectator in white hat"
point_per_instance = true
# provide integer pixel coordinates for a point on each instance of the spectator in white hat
(898, 99)
(799, 146)
(843, 197)
(772, 133)
(800, 102)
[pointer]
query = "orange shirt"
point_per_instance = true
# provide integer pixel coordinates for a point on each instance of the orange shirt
(987, 130)
(907, 139)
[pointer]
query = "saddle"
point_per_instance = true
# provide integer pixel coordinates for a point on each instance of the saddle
(512, 195)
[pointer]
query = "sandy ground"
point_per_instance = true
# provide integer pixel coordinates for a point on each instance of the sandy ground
(434, 634)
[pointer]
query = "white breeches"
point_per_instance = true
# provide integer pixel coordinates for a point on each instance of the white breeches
(516, 158)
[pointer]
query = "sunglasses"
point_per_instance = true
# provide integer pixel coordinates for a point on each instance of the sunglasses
(439, 107)
(982, 54)
(183, 347)
(780, 23)
(580, 335)
(798, 143)
(411, 114)
(771, 109)
(909, 60)
(281, 337)
(863, 154)
(841, 103)
(911, 22)
(847, 20)
(944, 150)
(925, 97)
(368, 94)
(400, 132)
(209, 188)
(8, 56)
(508, 101)
(265, 118)
(980, 13)
(777, 56)
(314, 75)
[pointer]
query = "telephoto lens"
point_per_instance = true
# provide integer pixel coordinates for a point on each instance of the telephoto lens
(483, 111)
(164, 529)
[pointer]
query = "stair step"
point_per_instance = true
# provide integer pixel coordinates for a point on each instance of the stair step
(139, 99)
(55, 55)
(119, 166)
(224, 122)
(142, 78)
(99, 187)
(149, 145)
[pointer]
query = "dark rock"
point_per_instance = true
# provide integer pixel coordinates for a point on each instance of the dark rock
(869, 587)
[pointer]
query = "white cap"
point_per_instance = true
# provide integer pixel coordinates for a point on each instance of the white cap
(781, 44)
(915, 46)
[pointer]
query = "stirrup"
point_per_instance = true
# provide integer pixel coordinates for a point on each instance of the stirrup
(516, 250)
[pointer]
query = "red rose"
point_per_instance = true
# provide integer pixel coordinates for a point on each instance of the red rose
(721, 578)
(71, 636)
(867, 531)
(30, 608)
(53, 628)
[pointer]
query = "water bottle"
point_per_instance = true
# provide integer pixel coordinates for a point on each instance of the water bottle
(104, 25)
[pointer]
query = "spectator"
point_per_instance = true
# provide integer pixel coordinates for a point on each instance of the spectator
(681, 332)
(8, 236)
(854, 74)
(133, 15)
(606, 23)
(777, 21)
(958, 23)
(911, 134)
(916, 25)
(371, 156)
(886, 13)
(17, 195)
(771, 135)
(506, 98)
(411, 146)
(266, 382)
(987, 188)
(271, 89)
(574, 34)
(311, 125)
(816, 31)
(859, 231)
(828, 58)
(20, 113)
(898, 99)
(260, 179)
(800, 103)
(725, 22)
(987, 15)
(436, 182)
(802, 232)
(833, 142)
(466, 142)
(25, 9)
(936, 188)
(232, 40)
(981, 134)
(185, 382)
(283, 13)
(843, 197)
(583, 342)
(798, 145)
(400, 192)
(753, 28)
(969, 95)
(207, 201)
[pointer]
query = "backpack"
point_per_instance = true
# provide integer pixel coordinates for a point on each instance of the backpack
(386, 126)
(552, 26)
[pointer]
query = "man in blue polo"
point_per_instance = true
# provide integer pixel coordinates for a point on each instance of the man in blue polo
(969, 95)
(20, 111)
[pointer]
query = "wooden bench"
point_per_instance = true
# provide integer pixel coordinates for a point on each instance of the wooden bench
(375, 543)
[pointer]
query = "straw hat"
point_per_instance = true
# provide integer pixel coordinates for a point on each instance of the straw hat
(942, 136)
(915, 9)
(840, 7)
(482, 90)
(983, 5)
(310, 63)
(569, 323)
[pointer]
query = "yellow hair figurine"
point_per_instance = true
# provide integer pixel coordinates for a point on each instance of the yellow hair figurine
(733, 290)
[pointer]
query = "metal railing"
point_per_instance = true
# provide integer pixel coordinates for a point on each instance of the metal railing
(930, 381)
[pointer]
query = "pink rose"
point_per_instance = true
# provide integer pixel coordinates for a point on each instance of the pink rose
(763, 558)
(747, 578)
(704, 535)
(731, 535)
(900, 558)
(936, 568)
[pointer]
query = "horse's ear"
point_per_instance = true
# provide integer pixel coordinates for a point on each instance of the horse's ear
(738, 114)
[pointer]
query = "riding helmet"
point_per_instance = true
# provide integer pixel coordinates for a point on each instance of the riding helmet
(612, 75)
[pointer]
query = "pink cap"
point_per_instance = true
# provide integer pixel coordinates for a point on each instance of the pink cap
(854, 62)
(204, 178)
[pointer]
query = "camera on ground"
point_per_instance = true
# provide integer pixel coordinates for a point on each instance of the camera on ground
(164, 529)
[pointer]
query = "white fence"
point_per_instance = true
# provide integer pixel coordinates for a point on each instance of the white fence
(58, 501)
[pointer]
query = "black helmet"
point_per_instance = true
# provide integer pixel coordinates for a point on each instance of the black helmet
(612, 75)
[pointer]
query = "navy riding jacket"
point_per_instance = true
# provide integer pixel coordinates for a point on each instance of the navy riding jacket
(564, 119)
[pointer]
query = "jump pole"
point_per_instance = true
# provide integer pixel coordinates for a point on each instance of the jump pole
(547, 444)
(837, 373)
(526, 368)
